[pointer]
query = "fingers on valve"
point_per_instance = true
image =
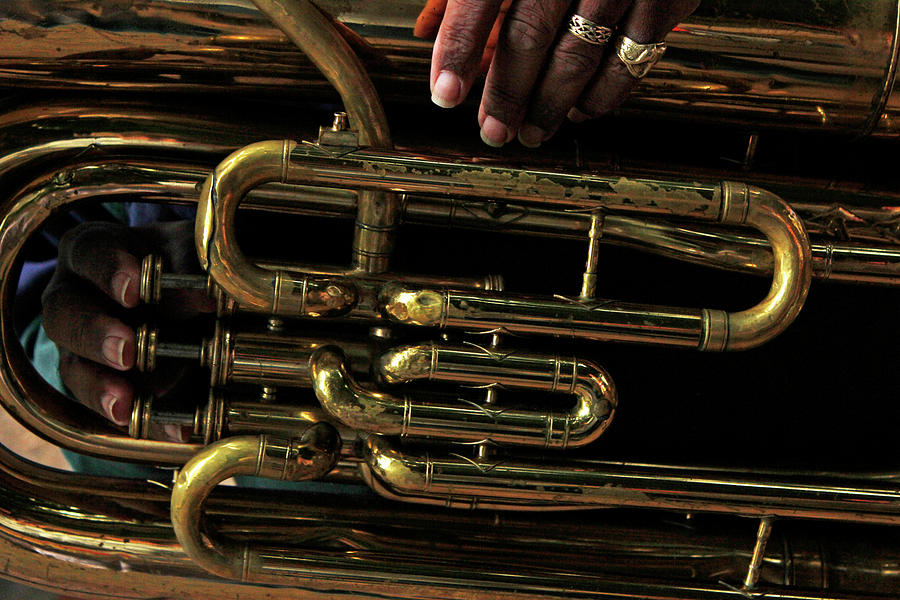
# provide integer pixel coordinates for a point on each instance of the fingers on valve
(526, 39)
(458, 48)
(575, 59)
(104, 391)
(638, 48)
(99, 253)
(76, 323)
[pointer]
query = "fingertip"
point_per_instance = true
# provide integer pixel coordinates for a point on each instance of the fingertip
(531, 136)
(447, 89)
(494, 133)
(576, 116)
(116, 409)
(119, 351)
(125, 289)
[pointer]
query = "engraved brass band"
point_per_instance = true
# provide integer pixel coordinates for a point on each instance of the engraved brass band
(638, 58)
(588, 31)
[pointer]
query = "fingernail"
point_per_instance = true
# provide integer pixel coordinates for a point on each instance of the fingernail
(177, 433)
(531, 136)
(576, 116)
(114, 351)
(447, 90)
(120, 283)
(494, 133)
(119, 412)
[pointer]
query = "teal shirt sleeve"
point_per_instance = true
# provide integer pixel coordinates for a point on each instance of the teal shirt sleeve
(45, 358)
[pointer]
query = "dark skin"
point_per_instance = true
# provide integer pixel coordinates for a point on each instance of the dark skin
(97, 279)
(539, 73)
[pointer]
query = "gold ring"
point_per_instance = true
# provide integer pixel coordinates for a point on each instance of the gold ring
(589, 31)
(638, 58)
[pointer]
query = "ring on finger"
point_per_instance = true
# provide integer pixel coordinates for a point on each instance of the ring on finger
(588, 31)
(638, 58)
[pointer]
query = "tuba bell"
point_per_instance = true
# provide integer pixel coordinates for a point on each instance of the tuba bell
(490, 395)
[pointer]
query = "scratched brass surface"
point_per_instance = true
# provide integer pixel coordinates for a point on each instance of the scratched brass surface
(833, 72)
(820, 65)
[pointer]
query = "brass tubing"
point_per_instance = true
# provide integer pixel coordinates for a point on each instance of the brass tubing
(728, 203)
(831, 261)
(600, 320)
(24, 393)
(851, 262)
(791, 274)
(308, 456)
(273, 292)
(753, 64)
(89, 549)
(862, 261)
(595, 484)
(277, 359)
(759, 552)
(316, 34)
(416, 174)
(245, 417)
(708, 330)
(381, 412)
(589, 278)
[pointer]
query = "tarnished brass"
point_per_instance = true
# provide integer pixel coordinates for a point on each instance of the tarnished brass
(726, 202)
(794, 65)
(512, 436)
(383, 413)
(311, 455)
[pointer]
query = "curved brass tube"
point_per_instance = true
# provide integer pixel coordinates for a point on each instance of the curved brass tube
(505, 483)
(88, 547)
(710, 330)
(275, 292)
(309, 456)
(380, 412)
(25, 394)
(791, 276)
(316, 35)
(726, 202)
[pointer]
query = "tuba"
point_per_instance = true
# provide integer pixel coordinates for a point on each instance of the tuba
(450, 389)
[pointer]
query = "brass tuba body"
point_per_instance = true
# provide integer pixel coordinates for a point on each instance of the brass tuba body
(461, 419)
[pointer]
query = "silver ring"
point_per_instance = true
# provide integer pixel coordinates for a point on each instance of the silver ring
(638, 58)
(589, 31)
